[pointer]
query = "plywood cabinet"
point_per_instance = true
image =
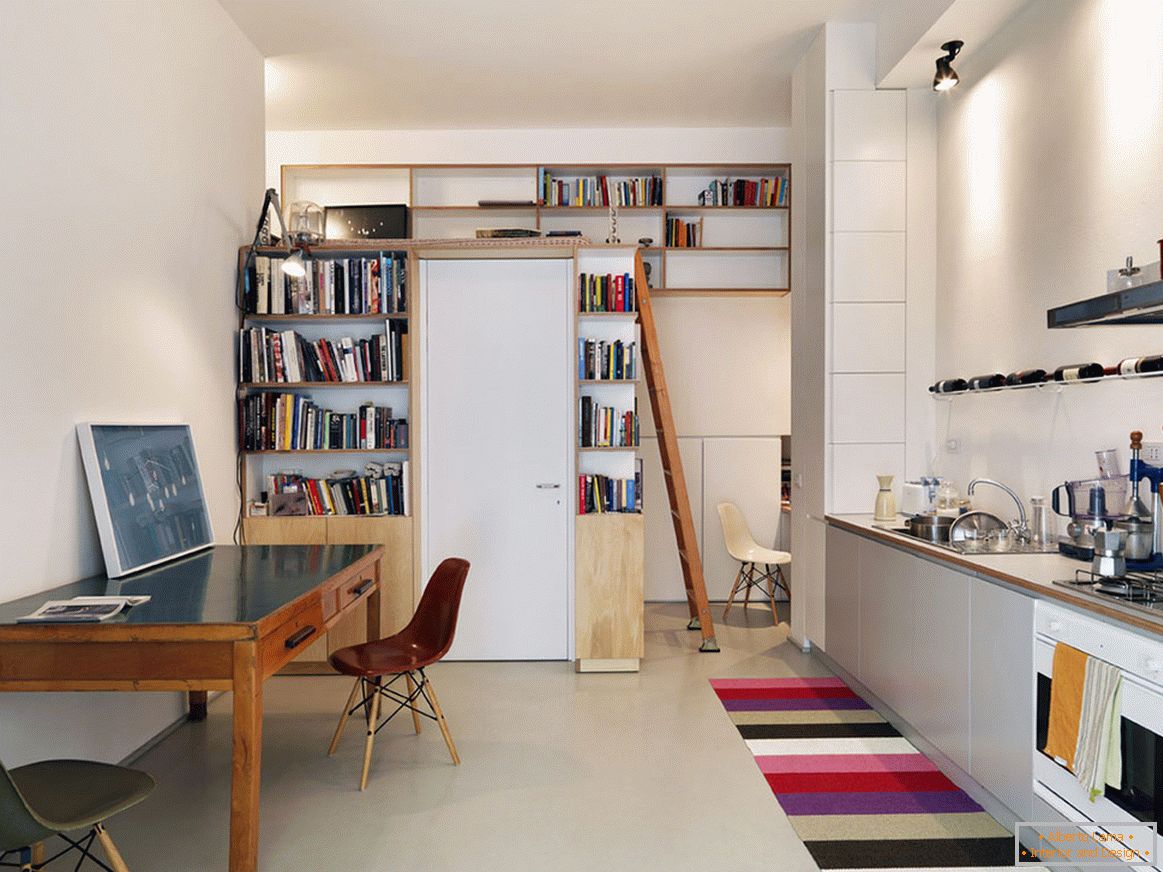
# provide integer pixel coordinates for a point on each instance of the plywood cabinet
(608, 608)
(397, 581)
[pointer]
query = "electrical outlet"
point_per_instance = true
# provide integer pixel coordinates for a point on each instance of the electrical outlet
(1152, 453)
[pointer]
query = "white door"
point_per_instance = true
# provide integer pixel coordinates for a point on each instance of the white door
(498, 450)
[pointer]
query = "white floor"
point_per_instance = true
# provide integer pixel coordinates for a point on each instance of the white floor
(560, 772)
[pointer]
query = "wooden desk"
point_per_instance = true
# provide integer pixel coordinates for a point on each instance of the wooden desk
(224, 619)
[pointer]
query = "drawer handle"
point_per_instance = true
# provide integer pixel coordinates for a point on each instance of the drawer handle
(361, 589)
(298, 638)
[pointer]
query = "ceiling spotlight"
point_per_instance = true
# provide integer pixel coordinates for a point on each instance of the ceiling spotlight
(946, 77)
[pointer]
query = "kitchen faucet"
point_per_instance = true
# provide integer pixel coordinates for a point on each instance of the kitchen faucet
(1022, 528)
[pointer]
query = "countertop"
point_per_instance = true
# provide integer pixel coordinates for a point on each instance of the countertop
(1033, 573)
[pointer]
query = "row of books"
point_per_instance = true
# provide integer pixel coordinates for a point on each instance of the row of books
(599, 190)
(292, 422)
(745, 192)
(606, 361)
(605, 426)
(380, 494)
(273, 357)
(332, 286)
(684, 234)
(599, 494)
(608, 293)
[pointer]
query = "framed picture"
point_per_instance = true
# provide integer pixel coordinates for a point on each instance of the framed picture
(147, 493)
(366, 222)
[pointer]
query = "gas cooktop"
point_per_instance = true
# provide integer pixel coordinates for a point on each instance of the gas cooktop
(1137, 590)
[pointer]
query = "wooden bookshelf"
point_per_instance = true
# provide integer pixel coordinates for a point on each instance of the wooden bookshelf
(395, 532)
(747, 250)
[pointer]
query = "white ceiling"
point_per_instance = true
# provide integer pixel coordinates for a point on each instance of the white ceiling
(379, 64)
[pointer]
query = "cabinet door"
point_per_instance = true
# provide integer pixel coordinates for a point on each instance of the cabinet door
(886, 623)
(842, 599)
(937, 704)
(292, 531)
(1002, 696)
(609, 601)
(396, 583)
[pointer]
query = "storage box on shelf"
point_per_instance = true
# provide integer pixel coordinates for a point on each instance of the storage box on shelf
(339, 386)
(743, 210)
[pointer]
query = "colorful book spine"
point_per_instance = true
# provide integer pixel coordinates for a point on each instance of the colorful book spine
(608, 293)
(385, 493)
(366, 285)
(281, 357)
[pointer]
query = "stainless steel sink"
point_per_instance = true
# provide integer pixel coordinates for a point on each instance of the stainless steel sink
(1017, 548)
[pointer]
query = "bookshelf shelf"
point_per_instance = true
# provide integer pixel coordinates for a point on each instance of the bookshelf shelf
(329, 451)
(715, 292)
(624, 316)
(278, 386)
(531, 207)
(679, 207)
(601, 208)
(607, 381)
(724, 248)
(608, 448)
(376, 316)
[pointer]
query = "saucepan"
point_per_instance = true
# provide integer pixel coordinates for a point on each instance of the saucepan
(930, 527)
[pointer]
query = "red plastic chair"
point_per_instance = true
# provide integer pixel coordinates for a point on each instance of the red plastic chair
(424, 641)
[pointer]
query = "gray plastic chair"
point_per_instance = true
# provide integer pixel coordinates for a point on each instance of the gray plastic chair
(53, 797)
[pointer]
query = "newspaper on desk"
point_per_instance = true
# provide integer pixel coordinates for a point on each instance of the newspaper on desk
(82, 609)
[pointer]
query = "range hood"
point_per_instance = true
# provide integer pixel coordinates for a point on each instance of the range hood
(1138, 305)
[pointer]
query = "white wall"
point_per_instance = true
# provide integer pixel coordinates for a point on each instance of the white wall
(727, 360)
(1049, 174)
(132, 136)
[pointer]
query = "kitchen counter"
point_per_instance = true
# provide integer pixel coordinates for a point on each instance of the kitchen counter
(1034, 573)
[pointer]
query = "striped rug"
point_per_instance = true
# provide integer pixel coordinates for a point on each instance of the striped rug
(858, 794)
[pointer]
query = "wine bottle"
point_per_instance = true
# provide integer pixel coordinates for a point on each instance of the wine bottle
(989, 380)
(950, 386)
(1026, 377)
(1133, 365)
(1078, 372)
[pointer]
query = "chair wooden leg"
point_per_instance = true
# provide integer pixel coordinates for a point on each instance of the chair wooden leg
(734, 591)
(372, 721)
(111, 852)
(436, 710)
(343, 716)
(411, 691)
(771, 596)
(37, 854)
(750, 584)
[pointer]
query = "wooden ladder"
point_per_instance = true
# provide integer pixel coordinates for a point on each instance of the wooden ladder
(676, 492)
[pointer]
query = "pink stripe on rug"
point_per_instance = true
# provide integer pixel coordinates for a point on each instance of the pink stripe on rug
(785, 763)
(761, 683)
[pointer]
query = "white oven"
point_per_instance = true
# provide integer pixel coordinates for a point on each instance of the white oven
(1140, 658)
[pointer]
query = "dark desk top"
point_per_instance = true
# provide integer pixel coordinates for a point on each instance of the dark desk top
(226, 584)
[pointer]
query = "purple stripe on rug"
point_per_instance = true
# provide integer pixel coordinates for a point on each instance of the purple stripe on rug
(784, 705)
(926, 802)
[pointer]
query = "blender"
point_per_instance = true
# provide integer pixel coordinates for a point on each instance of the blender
(1091, 504)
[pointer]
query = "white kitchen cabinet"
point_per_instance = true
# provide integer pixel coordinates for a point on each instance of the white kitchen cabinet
(1002, 695)
(938, 704)
(886, 623)
(842, 599)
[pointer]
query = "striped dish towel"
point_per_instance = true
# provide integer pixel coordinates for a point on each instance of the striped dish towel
(1098, 758)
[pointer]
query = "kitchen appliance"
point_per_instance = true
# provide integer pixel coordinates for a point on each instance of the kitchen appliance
(917, 497)
(1088, 505)
(1109, 559)
(1138, 535)
(1139, 658)
(1140, 508)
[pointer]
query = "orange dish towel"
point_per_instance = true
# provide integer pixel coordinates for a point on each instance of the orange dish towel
(1069, 678)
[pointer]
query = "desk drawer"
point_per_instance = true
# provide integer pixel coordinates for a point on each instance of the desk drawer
(350, 590)
(293, 636)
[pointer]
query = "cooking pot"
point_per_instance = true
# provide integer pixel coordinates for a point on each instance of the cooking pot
(931, 527)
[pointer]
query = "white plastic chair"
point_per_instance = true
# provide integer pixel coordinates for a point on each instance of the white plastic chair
(751, 555)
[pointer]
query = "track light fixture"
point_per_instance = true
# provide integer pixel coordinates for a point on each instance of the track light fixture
(946, 77)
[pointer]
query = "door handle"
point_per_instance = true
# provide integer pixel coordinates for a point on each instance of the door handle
(545, 485)
(298, 638)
